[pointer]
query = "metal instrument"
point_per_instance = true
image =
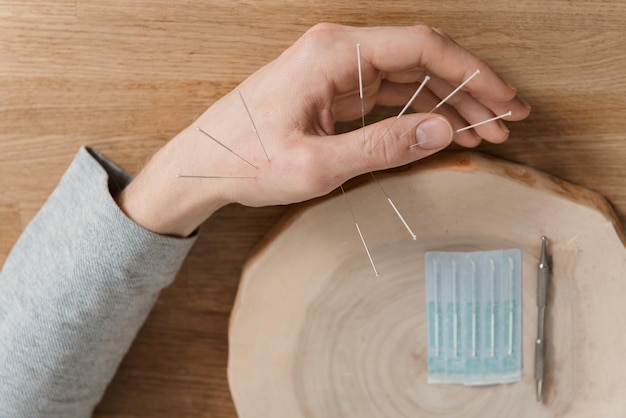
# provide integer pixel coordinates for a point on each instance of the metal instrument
(543, 279)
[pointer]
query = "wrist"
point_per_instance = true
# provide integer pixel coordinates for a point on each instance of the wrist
(158, 200)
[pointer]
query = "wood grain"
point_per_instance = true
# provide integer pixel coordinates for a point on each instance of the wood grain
(313, 323)
(125, 77)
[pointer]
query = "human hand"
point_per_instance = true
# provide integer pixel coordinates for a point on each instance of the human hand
(295, 102)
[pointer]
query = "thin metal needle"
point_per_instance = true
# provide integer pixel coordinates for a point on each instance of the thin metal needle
(183, 176)
(253, 125)
(474, 291)
(504, 115)
(359, 231)
(358, 53)
(406, 107)
(455, 91)
(492, 310)
(455, 314)
(410, 102)
(233, 152)
(436, 294)
(511, 295)
(406, 225)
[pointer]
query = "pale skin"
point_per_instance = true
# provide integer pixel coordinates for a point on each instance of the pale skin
(295, 102)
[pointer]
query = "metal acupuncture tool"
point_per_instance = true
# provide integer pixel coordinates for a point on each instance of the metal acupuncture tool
(543, 281)
(455, 91)
(455, 310)
(511, 306)
(256, 131)
(343, 192)
(474, 302)
(437, 106)
(230, 150)
(465, 128)
(492, 308)
(226, 147)
(382, 189)
(358, 229)
(445, 99)
(436, 300)
(189, 176)
(504, 115)
(403, 111)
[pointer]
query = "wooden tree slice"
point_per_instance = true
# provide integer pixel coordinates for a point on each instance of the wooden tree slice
(315, 334)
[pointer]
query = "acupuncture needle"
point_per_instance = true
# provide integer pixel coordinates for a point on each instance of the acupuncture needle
(511, 268)
(474, 290)
(436, 297)
(404, 109)
(455, 91)
(359, 231)
(406, 225)
(184, 176)
(230, 150)
(226, 147)
(445, 99)
(253, 124)
(504, 115)
(492, 283)
(358, 54)
(465, 128)
(455, 313)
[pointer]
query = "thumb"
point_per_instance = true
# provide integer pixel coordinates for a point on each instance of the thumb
(432, 133)
(394, 142)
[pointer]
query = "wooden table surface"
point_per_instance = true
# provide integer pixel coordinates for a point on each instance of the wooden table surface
(124, 77)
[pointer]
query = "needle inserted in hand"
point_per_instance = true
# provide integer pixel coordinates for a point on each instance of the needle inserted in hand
(230, 150)
(455, 91)
(504, 115)
(445, 99)
(358, 54)
(253, 124)
(359, 231)
(406, 107)
(358, 57)
(184, 176)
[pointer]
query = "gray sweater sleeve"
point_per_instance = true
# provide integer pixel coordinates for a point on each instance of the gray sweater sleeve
(74, 291)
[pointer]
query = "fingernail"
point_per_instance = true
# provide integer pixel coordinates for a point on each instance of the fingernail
(509, 85)
(504, 127)
(524, 102)
(433, 133)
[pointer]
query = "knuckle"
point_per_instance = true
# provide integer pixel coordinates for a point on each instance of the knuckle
(323, 27)
(312, 179)
(315, 41)
(424, 32)
(320, 33)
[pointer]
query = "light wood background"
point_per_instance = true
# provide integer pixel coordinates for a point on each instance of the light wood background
(124, 77)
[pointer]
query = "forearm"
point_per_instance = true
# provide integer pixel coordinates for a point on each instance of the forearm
(73, 293)
(161, 202)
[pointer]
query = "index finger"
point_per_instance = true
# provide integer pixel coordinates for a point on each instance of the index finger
(401, 49)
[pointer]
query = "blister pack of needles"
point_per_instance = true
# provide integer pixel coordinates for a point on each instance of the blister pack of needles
(474, 302)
